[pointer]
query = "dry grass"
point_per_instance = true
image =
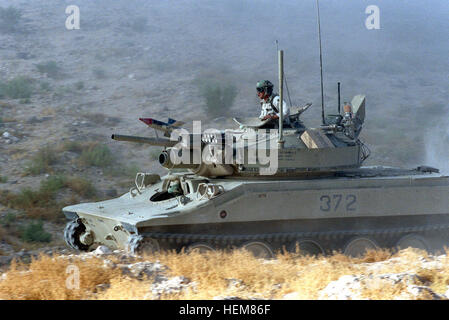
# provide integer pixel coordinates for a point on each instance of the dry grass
(17, 154)
(46, 279)
(439, 280)
(124, 288)
(235, 273)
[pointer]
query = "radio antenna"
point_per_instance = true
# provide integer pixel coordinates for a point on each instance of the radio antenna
(321, 62)
(285, 78)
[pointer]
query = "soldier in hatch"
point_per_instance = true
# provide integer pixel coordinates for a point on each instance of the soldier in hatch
(270, 102)
(175, 188)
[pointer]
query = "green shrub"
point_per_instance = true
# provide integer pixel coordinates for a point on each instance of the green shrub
(29, 199)
(72, 146)
(140, 24)
(62, 91)
(79, 85)
(10, 19)
(99, 73)
(8, 219)
(97, 155)
(45, 86)
(216, 87)
(42, 161)
(101, 118)
(82, 187)
(123, 171)
(131, 171)
(18, 88)
(25, 101)
(34, 232)
(96, 117)
(2, 178)
(36, 204)
(50, 68)
(42, 203)
(219, 98)
(52, 185)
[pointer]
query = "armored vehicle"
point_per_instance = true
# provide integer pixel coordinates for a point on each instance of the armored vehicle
(319, 198)
(266, 186)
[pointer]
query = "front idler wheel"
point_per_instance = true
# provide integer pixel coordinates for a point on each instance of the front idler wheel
(76, 237)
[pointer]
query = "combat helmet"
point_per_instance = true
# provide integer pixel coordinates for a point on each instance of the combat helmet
(265, 86)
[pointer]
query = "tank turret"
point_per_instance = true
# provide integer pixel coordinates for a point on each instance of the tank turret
(254, 150)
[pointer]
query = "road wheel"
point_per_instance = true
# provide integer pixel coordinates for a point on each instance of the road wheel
(358, 246)
(200, 247)
(259, 249)
(139, 245)
(413, 241)
(306, 247)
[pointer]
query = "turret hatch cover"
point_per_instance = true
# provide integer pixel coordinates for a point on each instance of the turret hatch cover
(358, 107)
(251, 122)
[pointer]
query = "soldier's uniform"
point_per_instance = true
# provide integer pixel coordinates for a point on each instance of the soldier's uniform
(271, 107)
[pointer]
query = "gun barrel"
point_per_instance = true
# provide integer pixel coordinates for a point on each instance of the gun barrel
(151, 141)
(165, 161)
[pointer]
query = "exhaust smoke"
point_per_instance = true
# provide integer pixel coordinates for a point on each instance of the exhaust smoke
(437, 146)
